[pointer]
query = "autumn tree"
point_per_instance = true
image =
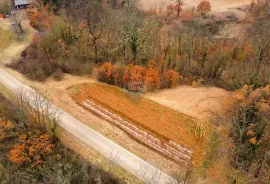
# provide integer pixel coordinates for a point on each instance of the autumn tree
(134, 77)
(250, 121)
(171, 78)
(109, 74)
(41, 18)
(152, 77)
(204, 7)
(32, 149)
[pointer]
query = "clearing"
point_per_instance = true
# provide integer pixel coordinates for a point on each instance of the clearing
(5, 38)
(217, 5)
(157, 120)
(204, 103)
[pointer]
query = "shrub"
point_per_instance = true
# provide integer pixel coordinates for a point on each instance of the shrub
(152, 77)
(136, 78)
(204, 7)
(171, 78)
(109, 74)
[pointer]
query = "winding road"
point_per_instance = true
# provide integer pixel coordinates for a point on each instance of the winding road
(127, 160)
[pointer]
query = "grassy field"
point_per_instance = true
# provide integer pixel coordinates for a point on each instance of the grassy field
(5, 92)
(5, 38)
(159, 120)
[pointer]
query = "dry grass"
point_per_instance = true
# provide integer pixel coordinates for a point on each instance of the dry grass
(217, 5)
(159, 120)
(5, 39)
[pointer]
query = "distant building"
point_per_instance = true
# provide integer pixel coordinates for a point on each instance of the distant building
(22, 3)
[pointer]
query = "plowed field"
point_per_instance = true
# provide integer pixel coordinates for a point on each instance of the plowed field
(156, 119)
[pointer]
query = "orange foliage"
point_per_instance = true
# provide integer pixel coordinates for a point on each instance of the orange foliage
(134, 77)
(171, 78)
(1, 16)
(42, 18)
(137, 77)
(152, 78)
(32, 149)
(109, 73)
(204, 7)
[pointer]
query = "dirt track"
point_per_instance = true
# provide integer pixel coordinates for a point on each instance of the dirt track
(217, 5)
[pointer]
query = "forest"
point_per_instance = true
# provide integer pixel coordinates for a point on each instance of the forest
(78, 37)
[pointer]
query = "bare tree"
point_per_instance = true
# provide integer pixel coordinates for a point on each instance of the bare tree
(17, 18)
(95, 20)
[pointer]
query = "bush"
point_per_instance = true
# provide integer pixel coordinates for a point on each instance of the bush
(109, 74)
(171, 78)
(134, 77)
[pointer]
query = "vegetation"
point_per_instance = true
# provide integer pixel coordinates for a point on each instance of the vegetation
(5, 39)
(250, 133)
(204, 7)
(137, 78)
(4, 8)
(138, 50)
(81, 36)
(31, 152)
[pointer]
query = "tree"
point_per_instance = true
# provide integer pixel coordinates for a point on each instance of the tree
(17, 18)
(152, 77)
(178, 7)
(41, 18)
(250, 129)
(33, 148)
(95, 21)
(204, 7)
(134, 77)
(171, 78)
(109, 74)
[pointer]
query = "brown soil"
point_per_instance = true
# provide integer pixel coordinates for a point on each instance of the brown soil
(156, 119)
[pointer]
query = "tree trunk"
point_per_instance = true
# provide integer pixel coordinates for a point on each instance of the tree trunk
(95, 49)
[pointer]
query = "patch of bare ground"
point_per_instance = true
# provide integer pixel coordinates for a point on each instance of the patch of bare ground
(16, 46)
(204, 103)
